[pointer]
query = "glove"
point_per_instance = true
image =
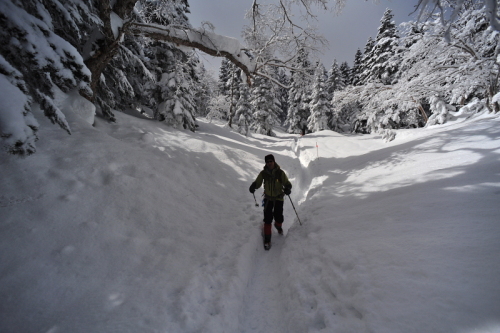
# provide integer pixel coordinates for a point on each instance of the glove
(287, 190)
(252, 188)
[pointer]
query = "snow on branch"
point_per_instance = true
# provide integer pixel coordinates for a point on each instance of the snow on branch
(443, 7)
(201, 39)
(212, 44)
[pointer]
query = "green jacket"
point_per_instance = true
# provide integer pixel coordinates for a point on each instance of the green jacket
(274, 182)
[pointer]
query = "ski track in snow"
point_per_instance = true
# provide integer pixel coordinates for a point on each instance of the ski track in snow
(264, 302)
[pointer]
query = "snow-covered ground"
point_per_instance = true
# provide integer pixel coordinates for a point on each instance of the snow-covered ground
(137, 227)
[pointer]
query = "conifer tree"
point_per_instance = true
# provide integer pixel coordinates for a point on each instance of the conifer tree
(35, 61)
(178, 105)
(357, 68)
(127, 83)
(382, 68)
(206, 89)
(299, 95)
(282, 92)
(367, 62)
(333, 78)
(338, 78)
(132, 78)
(265, 107)
(440, 110)
(320, 105)
(243, 115)
(224, 74)
(346, 74)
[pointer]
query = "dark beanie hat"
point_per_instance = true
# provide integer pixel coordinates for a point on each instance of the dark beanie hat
(269, 157)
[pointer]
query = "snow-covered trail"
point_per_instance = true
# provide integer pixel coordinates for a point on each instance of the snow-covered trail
(264, 301)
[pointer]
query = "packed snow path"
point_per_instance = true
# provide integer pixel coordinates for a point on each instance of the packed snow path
(263, 309)
(137, 227)
(264, 302)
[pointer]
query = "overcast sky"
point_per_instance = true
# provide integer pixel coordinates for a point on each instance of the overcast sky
(345, 32)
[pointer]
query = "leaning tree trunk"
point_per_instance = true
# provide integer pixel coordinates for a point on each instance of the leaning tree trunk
(109, 44)
(231, 105)
(200, 40)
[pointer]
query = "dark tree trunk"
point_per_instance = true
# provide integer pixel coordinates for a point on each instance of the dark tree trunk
(109, 45)
(231, 105)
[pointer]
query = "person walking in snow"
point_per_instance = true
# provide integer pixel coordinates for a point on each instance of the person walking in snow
(276, 185)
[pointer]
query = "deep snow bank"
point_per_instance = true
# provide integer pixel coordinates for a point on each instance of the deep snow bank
(398, 237)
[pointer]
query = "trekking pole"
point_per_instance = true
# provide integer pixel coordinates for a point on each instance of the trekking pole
(256, 204)
(295, 210)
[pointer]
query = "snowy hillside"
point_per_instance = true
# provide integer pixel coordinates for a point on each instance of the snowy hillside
(137, 227)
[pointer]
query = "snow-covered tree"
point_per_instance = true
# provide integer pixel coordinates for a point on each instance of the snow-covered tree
(440, 110)
(265, 107)
(381, 66)
(229, 82)
(376, 107)
(346, 72)
(243, 116)
(206, 88)
(224, 75)
(334, 80)
(178, 105)
(366, 62)
(146, 73)
(344, 112)
(357, 68)
(34, 63)
(320, 104)
(18, 127)
(219, 108)
(457, 71)
(433, 72)
(129, 81)
(448, 17)
(282, 92)
(299, 95)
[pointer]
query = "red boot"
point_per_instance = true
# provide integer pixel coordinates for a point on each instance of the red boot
(267, 236)
(279, 228)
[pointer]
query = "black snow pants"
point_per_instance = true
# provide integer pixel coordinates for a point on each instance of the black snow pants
(273, 209)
